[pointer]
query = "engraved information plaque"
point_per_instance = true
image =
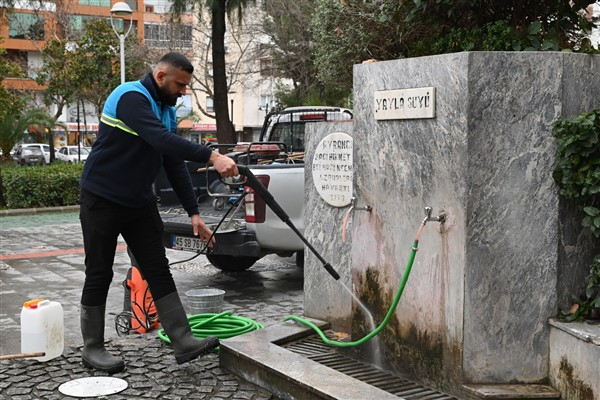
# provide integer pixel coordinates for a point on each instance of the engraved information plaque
(332, 169)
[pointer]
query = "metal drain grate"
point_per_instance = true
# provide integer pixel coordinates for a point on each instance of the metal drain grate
(313, 348)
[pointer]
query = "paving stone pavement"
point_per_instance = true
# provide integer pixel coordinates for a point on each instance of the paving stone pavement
(46, 261)
(151, 373)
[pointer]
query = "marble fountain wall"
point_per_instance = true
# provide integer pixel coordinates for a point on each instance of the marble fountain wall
(479, 150)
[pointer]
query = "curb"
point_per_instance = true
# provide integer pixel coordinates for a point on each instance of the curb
(25, 211)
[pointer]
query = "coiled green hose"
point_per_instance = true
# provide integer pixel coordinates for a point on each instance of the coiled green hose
(222, 326)
(226, 325)
(387, 318)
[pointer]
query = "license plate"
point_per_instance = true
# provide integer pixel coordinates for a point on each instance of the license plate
(187, 243)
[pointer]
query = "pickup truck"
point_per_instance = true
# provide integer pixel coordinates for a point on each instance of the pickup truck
(244, 238)
(243, 241)
(288, 126)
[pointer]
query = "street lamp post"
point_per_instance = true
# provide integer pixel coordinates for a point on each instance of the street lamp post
(121, 9)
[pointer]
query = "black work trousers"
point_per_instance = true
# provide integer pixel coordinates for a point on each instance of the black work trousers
(102, 221)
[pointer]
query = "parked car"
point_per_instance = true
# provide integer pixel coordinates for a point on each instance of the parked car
(45, 148)
(29, 155)
(72, 154)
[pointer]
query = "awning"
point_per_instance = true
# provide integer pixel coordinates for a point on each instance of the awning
(185, 124)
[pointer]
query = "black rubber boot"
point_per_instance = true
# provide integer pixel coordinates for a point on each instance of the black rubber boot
(93, 353)
(175, 323)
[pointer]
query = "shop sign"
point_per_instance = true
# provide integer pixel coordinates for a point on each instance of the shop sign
(72, 127)
(205, 127)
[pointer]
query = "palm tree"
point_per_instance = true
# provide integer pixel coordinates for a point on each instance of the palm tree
(13, 128)
(218, 10)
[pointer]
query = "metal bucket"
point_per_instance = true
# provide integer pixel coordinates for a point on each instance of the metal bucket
(205, 300)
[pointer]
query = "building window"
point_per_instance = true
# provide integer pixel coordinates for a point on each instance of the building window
(132, 4)
(266, 67)
(210, 106)
(184, 106)
(78, 22)
(263, 50)
(267, 102)
(19, 58)
(96, 3)
(171, 36)
(26, 26)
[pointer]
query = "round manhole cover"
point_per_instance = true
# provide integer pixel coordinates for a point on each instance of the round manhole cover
(93, 386)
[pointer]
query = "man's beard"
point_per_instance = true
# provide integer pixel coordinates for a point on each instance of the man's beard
(167, 98)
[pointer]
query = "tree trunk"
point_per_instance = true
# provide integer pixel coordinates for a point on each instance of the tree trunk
(225, 133)
(51, 144)
(59, 108)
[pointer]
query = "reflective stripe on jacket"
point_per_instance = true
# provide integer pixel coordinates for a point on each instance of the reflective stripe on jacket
(109, 114)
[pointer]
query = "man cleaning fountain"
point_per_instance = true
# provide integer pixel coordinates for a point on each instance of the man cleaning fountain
(136, 137)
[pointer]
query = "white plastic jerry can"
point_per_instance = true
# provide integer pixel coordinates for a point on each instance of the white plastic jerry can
(42, 328)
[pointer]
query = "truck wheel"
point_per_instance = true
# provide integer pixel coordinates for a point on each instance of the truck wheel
(231, 263)
(300, 259)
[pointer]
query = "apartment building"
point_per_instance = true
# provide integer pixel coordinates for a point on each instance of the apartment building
(30, 24)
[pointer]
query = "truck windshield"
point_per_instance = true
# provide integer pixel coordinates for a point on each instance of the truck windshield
(288, 126)
(292, 134)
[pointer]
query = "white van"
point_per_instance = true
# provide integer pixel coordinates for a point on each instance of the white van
(288, 126)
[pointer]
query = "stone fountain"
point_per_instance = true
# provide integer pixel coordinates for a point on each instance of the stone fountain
(468, 134)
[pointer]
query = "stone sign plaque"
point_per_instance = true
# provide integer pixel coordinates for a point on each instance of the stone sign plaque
(413, 103)
(332, 169)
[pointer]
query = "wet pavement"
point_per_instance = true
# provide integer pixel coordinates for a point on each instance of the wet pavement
(39, 258)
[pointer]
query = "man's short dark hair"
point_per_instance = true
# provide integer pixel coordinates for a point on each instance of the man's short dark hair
(177, 60)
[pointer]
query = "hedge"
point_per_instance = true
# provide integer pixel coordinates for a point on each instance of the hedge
(51, 185)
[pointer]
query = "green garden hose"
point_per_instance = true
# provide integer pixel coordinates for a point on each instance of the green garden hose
(222, 326)
(226, 325)
(388, 316)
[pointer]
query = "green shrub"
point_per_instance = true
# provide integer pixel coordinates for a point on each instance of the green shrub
(577, 172)
(496, 36)
(53, 185)
(592, 282)
(577, 168)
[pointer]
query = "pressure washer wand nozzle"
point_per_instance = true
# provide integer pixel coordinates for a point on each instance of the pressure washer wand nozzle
(260, 190)
(331, 271)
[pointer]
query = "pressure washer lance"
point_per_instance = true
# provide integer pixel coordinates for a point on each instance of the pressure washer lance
(270, 201)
